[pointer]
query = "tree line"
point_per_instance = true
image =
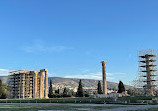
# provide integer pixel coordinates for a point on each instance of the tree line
(5, 91)
(80, 92)
(65, 93)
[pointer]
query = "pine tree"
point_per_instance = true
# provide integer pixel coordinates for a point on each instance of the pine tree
(80, 90)
(99, 88)
(50, 89)
(65, 91)
(121, 87)
(58, 91)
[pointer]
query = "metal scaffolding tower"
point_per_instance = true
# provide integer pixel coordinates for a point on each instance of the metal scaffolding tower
(148, 71)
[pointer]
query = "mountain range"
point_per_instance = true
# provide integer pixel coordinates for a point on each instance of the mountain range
(73, 82)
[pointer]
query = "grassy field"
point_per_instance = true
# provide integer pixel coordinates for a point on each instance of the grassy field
(134, 99)
(74, 100)
(51, 106)
(55, 100)
(65, 104)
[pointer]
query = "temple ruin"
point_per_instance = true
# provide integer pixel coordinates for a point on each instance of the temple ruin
(29, 84)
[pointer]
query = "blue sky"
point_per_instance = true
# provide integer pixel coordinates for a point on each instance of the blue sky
(71, 37)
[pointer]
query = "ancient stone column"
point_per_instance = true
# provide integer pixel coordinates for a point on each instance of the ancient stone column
(35, 74)
(21, 86)
(23, 81)
(104, 77)
(42, 84)
(46, 83)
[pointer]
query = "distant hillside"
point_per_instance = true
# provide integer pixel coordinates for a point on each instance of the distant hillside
(4, 79)
(72, 82)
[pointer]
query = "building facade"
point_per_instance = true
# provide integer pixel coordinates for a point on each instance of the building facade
(29, 84)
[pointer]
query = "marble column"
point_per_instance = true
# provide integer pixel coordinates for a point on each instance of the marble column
(104, 77)
(35, 74)
(46, 83)
(42, 84)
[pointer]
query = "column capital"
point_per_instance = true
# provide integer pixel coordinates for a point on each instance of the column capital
(103, 62)
(44, 70)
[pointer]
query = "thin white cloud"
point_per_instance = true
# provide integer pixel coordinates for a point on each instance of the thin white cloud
(39, 46)
(96, 76)
(4, 72)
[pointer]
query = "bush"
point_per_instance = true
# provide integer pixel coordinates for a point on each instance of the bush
(59, 95)
(86, 95)
(3, 96)
(66, 95)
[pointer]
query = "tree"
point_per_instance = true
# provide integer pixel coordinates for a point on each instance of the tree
(2, 91)
(121, 87)
(86, 94)
(80, 90)
(50, 89)
(73, 93)
(65, 91)
(3, 96)
(1, 88)
(58, 90)
(134, 91)
(99, 88)
(1, 83)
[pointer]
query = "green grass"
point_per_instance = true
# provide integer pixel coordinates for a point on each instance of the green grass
(54, 100)
(74, 100)
(134, 99)
(25, 107)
